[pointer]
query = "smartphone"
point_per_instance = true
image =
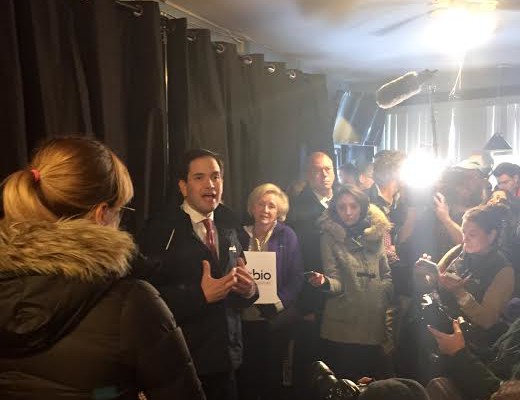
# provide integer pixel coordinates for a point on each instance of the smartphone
(428, 265)
(309, 273)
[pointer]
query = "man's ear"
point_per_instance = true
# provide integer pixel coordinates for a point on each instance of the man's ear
(183, 187)
(100, 214)
(516, 178)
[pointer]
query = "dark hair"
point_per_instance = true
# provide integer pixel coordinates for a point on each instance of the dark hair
(350, 169)
(394, 389)
(487, 217)
(359, 196)
(506, 168)
(184, 164)
(451, 179)
(66, 178)
(364, 166)
(387, 166)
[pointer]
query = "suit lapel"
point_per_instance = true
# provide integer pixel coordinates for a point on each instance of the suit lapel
(223, 245)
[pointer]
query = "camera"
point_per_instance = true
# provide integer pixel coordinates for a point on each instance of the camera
(326, 386)
(435, 314)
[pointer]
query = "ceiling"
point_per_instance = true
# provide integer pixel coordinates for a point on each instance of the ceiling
(339, 37)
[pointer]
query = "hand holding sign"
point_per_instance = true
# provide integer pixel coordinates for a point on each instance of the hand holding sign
(262, 268)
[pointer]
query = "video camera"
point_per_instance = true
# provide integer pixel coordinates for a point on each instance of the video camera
(432, 311)
(327, 387)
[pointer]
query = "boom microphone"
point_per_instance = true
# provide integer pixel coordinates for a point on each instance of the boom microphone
(402, 88)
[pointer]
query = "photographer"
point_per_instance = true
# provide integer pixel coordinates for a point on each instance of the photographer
(473, 378)
(474, 280)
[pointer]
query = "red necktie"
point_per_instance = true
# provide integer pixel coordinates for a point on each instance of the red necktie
(210, 236)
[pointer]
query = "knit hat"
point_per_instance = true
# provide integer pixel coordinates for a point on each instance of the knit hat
(394, 389)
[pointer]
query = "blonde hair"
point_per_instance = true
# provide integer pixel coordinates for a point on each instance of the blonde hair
(67, 178)
(269, 188)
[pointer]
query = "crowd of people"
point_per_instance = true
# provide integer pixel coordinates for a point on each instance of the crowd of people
(90, 312)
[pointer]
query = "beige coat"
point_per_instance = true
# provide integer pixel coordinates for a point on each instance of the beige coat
(360, 282)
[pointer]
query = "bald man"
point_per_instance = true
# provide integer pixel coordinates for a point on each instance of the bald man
(305, 210)
(308, 206)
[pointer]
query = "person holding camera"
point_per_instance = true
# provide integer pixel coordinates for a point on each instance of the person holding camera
(357, 281)
(473, 280)
(476, 280)
(473, 378)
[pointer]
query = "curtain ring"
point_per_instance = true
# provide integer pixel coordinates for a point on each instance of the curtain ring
(191, 36)
(292, 74)
(139, 10)
(270, 68)
(219, 47)
(247, 60)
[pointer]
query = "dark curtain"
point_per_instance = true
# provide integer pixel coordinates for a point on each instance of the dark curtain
(89, 68)
(95, 68)
(262, 119)
(238, 112)
(12, 118)
(194, 87)
(321, 121)
(296, 121)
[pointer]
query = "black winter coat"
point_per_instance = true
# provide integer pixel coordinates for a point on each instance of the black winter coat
(71, 327)
(213, 331)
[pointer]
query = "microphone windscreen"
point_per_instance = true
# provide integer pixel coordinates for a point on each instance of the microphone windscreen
(398, 90)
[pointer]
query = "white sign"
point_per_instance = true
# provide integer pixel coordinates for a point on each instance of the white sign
(262, 267)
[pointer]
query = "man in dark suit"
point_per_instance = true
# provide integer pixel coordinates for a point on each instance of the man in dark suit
(305, 210)
(203, 278)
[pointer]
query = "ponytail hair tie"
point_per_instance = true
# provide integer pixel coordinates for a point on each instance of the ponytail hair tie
(36, 175)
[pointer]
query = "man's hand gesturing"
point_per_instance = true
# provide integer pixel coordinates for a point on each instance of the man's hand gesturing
(216, 289)
(245, 285)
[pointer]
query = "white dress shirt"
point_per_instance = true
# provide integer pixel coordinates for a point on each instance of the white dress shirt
(198, 226)
(323, 199)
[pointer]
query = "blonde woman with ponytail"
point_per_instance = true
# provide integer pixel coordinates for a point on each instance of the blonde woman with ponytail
(73, 325)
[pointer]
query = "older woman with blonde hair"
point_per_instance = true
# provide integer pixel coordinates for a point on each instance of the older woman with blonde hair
(72, 324)
(266, 326)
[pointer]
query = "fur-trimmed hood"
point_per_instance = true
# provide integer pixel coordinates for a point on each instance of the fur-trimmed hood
(71, 248)
(51, 276)
(379, 225)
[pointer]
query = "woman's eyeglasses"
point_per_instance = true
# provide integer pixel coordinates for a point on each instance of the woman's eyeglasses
(125, 215)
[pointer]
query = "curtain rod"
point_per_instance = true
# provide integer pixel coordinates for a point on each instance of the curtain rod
(216, 28)
(137, 9)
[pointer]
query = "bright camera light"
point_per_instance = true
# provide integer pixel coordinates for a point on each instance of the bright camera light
(455, 30)
(421, 169)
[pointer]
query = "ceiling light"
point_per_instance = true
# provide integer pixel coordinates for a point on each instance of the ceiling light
(457, 29)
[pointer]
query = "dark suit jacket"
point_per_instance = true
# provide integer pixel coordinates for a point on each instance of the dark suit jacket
(212, 331)
(303, 216)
